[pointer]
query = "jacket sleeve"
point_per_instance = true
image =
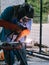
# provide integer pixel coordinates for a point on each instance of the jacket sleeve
(7, 14)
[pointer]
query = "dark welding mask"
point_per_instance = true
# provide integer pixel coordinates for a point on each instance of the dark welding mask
(25, 10)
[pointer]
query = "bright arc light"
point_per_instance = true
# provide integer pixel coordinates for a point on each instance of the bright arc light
(28, 40)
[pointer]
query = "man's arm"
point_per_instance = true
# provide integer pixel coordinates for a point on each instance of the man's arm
(25, 32)
(22, 34)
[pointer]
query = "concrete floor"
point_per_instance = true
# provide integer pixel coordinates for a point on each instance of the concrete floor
(32, 61)
(37, 61)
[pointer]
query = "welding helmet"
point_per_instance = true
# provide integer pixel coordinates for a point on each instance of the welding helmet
(25, 10)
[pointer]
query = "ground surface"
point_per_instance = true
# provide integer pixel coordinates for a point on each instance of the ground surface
(32, 61)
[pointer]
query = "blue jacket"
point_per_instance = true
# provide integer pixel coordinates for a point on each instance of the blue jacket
(7, 14)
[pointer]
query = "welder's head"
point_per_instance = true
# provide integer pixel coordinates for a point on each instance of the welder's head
(25, 10)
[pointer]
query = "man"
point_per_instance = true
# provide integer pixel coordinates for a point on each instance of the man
(20, 15)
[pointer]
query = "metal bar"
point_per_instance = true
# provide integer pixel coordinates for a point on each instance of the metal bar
(7, 46)
(38, 55)
(40, 25)
(43, 53)
(25, 0)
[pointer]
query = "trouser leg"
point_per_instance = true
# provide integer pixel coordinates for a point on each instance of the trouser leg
(23, 61)
(9, 57)
(21, 55)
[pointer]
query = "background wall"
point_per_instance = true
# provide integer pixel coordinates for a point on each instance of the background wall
(6, 3)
